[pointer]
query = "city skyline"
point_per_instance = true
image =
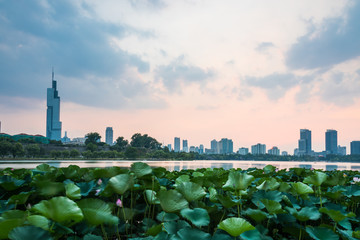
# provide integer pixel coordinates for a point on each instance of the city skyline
(253, 72)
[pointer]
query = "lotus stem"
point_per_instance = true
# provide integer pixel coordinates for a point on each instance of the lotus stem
(300, 234)
(126, 230)
(104, 232)
(320, 196)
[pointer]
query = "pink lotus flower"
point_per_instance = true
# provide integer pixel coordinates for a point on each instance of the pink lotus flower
(119, 203)
(99, 182)
(97, 192)
(356, 179)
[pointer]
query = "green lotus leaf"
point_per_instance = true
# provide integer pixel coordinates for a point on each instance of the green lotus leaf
(44, 167)
(9, 183)
(213, 194)
(238, 181)
(336, 179)
(226, 201)
(235, 226)
(141, 169)
(353, 190)
(356, 234)
(197, 174)
(270, 184)
(72, 191)
(48, 188)
(155, 230)
(10, 220)
(181, 179)
(86, 187)
(129, 214)
(273, 207)
(221, 236)
(301, 188)
(121, 183)
(108, 172)
(321, 233)
(97, 212)
(191, 233)
(166, 217)
(316, 179)
(258, 196)
(151, 197)
(60, 209)
(305, 214)
(197, 216)
(92, 237)
(71, 171)
(20, 198)
(39, 221)
(29, 233)
(256, 214)
(269, 169)
(172, 201)
(174, 226)
(336, 215)
(254, 235)
(191, 191)
(284, 187)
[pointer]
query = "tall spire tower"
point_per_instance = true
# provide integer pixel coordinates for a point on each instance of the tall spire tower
(53, 124)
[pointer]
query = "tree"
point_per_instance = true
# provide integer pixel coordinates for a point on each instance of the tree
(55, 154)
(65, 153)
(92, 137)
(92, 147)
(32, 150)
(120, 144)
(131, 152)
(5, 148)
(74, 153)
(144, 141)
(17, 150)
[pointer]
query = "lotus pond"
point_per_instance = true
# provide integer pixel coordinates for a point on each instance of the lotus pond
(153, 203)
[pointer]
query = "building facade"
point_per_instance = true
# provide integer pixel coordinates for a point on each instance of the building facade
(243, 151)
(355, 147)
(109, 136)
(53, 124)
(331, 141)
(258, 149)
(185, 146)
(305, 142)
(274, 151)
(176, 144)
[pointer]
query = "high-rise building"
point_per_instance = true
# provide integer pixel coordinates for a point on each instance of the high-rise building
(169, 147)
(53, 124)
(274, 151)
(185, 146)
(305, 142)
(176, 144)
(258, 149)
(201, 149)
(243, 151)
(225, 146)
(341, 150)
(109, 135)
(214, 146)
(331, 141)
(284, 153)
(355, 147)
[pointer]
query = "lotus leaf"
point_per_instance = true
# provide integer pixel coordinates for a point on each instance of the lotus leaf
(197, 216)
(316, 179)
(92, 237)
(235, 226)
(151, 197)
(212, 194)
(121, 183)
(86, 187)
(270, 184)
(197, 174)
(29, 233)
(20, 198)
(190, 233)
(301, 188)
(191, 191)
(172, 201)
(321, 233)
(256, 214)
(39, 221)
(254, 235)
(140, 169)
(166, 217)
(9, 220)
(226, 201)
(238, 181)
(273, 207)
(129, 214)
(72, 191)
(9, 183)
(49, 188)
(305, 214)
(261, 194)
(60, 209)
(269, 169)
(155, 230)
(181, 179)
(174, 226)
(97, 212)
(336, 215)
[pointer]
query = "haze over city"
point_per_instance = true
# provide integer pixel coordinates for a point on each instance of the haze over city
(251, 71)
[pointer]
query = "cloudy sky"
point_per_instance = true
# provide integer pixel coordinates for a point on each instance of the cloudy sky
(251, 70)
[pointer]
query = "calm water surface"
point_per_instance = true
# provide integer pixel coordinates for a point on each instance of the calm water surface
(178, 165)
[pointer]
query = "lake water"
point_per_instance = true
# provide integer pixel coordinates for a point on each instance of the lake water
(178, 165)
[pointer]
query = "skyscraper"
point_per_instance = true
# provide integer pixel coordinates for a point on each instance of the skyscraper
(176, 144)
(258, 149)
(109, 133)
(53, 124)
(355, 147)
(185, 146)
(225, 146)
(305, 142)
(214, 146)
(331, 141)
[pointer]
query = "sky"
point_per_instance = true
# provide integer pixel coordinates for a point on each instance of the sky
(254, 71)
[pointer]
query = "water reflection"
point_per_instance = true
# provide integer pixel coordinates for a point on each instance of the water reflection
(179, 165)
